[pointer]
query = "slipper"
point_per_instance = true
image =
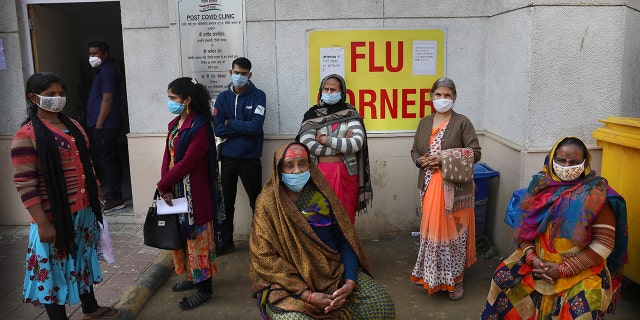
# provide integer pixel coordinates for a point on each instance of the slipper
(194, 300)
(458, 292)
(102, 313)
(183, 286)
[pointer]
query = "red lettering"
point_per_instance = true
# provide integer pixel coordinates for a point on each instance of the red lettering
(387, 103)
(398, 66)
(355, 56)
(406, 103)
(425, 101)
(372, 59)
(369, 103)
(351, 98)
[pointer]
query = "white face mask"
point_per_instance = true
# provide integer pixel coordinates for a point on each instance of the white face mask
(53, 104)
(568, 173)
(442, 105)
(95, 62)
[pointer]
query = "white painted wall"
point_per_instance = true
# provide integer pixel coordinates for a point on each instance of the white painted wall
(507, 85)
(12, 98)
(576, 73)
(630, 97)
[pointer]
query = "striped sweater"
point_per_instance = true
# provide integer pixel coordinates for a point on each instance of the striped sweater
(337, 143)
(28, 177)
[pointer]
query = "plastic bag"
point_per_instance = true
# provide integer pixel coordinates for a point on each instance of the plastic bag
(513, 214)
(105, 247)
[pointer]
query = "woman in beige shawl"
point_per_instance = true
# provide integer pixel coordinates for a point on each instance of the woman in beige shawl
(306, 261)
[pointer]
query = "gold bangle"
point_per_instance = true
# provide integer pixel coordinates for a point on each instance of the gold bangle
(527, 248)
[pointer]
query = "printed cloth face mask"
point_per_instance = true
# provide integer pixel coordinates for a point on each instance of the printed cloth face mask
(296, 181)
(568, 173)
(442, 105)
(175, 107)
(53, 104)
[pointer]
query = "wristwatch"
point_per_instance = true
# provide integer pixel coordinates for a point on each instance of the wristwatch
(416, 162)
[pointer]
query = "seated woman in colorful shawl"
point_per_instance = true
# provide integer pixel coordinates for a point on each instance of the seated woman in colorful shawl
(572, 238)
(306, 261)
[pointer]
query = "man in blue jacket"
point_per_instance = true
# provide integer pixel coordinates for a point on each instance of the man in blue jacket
(238, 118)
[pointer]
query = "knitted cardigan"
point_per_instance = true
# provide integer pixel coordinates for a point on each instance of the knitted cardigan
(459, 134)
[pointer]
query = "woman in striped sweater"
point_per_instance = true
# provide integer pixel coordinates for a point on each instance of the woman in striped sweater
(334, 133)
(56, 181)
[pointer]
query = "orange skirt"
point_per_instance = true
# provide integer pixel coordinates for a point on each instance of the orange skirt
(199, 255)
(447, 241)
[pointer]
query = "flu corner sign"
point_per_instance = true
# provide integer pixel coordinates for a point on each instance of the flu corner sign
(389, 73)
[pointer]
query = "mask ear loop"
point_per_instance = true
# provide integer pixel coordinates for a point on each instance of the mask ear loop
(34, 102)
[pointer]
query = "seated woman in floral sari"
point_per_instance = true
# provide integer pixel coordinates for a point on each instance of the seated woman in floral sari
(572, 237)
(306, 261)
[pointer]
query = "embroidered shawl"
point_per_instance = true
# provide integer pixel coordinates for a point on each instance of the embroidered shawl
(569, 208)
(286, 256)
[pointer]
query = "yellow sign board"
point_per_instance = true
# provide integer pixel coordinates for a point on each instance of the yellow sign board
(389, 73)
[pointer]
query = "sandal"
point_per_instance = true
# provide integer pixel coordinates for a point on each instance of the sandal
(194, 300)
(102, 313)
(183, 286)
(458, 292)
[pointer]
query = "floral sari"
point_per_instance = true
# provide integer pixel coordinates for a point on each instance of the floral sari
(447, 232)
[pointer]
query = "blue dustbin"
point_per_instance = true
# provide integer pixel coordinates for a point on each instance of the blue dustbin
(481, 174)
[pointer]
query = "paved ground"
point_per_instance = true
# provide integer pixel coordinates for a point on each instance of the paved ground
(132, 259)
(136, 282)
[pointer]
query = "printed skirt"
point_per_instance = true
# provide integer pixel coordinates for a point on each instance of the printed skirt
(447, 242)
(370, 300)
(515, 294)
(55, 278)
(197, 259)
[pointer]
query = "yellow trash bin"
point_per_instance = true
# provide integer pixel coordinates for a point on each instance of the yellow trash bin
(620, 141)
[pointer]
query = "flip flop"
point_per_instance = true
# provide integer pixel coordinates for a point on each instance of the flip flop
(458, 292)
(102, 313)
(183, 286)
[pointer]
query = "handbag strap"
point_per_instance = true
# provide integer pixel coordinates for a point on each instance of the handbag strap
(156, 195)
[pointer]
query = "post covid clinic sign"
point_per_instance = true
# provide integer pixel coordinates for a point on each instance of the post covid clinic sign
(212, 35)
(389, 73)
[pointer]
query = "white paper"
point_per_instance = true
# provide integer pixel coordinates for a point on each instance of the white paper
(424, 57)
(331, 61)
(179, 205)
(3, 59)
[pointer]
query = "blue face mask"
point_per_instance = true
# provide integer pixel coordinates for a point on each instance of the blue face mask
(239, 81)
(175, 107)
(295, 181)
(331, 98)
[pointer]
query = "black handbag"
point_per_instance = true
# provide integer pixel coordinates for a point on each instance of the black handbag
(162, 231)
